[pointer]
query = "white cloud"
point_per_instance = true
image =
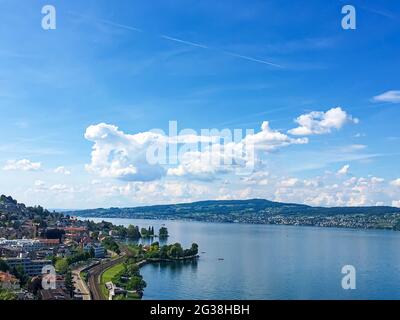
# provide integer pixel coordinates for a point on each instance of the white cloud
(22, 165)
(377, 180)
(331, 190)
(39, 184)
(122, 156)
(62, 170)
(58, 188)
(125, 156)
(344, 170)
(395, 183)
(392, 96)
(317, 122)
(268, 139)
(289, 183)
(257, 178)
(242, 156)
(396, 203)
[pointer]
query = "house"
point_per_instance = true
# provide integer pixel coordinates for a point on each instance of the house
(99, 251)
(49, 242)
(113, 290)
(76, 233)
(9, 282)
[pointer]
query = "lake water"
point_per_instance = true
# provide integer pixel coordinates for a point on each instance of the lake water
(274, 262)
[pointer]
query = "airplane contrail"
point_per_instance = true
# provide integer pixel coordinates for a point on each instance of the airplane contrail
(252, 59)
(182, 41)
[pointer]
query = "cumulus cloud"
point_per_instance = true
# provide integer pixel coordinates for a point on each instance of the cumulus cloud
(122, 156)
(344, 170)
(39, 183)
(332, 190)
(116, 154)
(392, 96)
(396, 203)
(318, 122)
(62, 170)
(60, 188)
(22, 165)
(268, 139)
(289, 183)
(257, 178)
(241, 156)
(395, 183)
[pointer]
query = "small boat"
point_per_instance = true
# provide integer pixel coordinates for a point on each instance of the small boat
(220, 259)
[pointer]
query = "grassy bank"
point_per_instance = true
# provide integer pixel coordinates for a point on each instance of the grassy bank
(107, 276)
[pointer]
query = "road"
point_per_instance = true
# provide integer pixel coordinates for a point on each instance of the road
(80, 284)
(94, 276)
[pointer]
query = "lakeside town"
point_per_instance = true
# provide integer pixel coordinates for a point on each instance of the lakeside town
(261, 211)
(50, 256)
(55, 256)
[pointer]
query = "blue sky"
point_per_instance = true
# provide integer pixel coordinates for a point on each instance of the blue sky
(137, 65)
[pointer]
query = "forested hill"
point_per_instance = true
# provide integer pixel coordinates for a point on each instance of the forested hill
(256, 207)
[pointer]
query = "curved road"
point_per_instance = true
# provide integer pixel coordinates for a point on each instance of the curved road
(94, 276)
(80, 284)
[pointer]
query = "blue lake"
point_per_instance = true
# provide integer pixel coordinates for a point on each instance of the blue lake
(273, 262)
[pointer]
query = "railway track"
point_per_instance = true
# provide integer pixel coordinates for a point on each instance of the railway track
(95, 274)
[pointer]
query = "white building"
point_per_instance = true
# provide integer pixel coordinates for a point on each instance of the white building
(26, 245)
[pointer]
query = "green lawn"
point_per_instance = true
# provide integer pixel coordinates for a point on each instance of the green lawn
(107, 276)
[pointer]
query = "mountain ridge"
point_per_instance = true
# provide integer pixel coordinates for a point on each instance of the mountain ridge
(229, 206)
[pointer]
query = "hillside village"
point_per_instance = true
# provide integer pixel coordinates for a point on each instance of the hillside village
(33, 240)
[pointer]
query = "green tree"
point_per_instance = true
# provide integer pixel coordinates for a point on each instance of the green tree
(19, 272)
(163, 232)
(34, 285)
(144, 232)
(175, 251)
(164, 252)
(136, 283)
(4, 266)
(62, 266)
(7, 295)
(133, 232)
(194, 249)
(69, 285)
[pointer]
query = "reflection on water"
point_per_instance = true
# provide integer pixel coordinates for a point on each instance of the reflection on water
(146, 241)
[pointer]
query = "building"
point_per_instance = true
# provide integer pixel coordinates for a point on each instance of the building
(9, 282)
(49, 242)
(76, 233)
(31, 267)
(60, 282)
(113, 290)
(24, 245)
(99, 251)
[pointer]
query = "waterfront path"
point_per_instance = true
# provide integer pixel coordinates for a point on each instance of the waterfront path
(80, 284)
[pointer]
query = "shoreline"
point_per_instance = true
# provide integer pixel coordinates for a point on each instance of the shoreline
(144, 262)
(244, 223)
